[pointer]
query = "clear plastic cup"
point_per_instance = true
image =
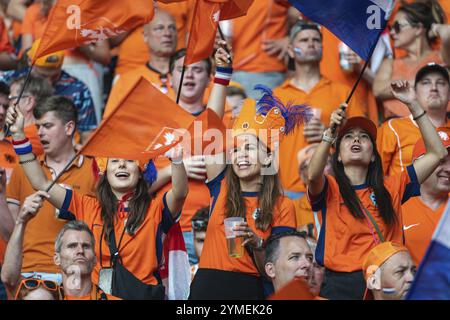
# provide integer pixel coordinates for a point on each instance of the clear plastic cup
(234, 241)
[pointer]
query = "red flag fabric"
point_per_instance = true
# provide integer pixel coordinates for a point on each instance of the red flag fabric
(234, 9)
(147, 123)
(205, 22)
(72, 23)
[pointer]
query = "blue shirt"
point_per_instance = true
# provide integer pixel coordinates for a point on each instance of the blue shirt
(69, 87)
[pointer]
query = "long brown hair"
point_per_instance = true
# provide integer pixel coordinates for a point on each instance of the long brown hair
(267, 198)
(138, 205)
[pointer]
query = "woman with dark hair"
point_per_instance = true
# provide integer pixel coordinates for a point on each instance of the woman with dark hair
(126, 220)
(415, 28)
(244, 184)
(358, 207)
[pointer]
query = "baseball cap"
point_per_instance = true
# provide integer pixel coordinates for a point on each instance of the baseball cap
(378, 255)
(303, 25)
(419, 149)
(52, 60)
(429, 68)
(359, 122)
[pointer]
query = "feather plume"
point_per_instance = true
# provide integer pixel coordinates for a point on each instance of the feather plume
(150, 173)
(293, 114)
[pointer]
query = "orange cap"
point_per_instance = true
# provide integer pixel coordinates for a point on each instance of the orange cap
(378, 255)
(360, 122)
(419, 148)
(53, 60)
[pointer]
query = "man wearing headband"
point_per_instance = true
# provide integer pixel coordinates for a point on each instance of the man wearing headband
(310, 87)
(389, 272)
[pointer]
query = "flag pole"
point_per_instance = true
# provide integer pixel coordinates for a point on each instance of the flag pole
(62, 171)
(20, 95)
(333, 127)
(181, 83)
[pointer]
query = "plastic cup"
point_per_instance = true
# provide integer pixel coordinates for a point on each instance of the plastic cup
(234, 241)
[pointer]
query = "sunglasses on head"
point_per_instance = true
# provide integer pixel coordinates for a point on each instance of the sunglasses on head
(33, 284)
(199, 224)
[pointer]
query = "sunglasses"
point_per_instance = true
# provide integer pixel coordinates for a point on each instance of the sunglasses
(199, 224)
(397, 26)
(33, 284)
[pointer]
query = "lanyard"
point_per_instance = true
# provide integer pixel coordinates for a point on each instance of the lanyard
(372, 223)
(118, 248)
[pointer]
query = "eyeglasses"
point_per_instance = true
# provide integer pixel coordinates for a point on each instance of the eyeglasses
(397, 26)
(33, 284)
(15, 97)
(199, 224)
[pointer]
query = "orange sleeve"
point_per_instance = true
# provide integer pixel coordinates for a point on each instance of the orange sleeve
(78, 207)
(386, 145)
(31, 15)
(14, 187)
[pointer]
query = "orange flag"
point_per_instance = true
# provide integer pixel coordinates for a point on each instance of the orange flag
(205, 22)
(297, 289)
(72, 23)
(146, 124)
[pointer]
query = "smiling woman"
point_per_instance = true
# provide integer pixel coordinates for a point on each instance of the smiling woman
(358, 207)
(128, 264)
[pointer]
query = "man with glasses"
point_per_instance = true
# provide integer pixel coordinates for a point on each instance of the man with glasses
(160, 35)
(56, 122)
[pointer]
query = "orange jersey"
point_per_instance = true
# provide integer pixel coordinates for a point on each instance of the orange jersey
(215, 252)
(265, 20)
(327, 95)
(34, 22)
(41, 231)
(141, 253)
(330, 67)
(133, 51)
(344, 241)
(396, 139)
(125, 82)
(96, 294)
(402, 70)
(419, 223)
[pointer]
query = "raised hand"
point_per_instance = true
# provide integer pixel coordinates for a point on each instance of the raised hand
(31, 206)
(403, 91)
(16, 122)
(221, 57)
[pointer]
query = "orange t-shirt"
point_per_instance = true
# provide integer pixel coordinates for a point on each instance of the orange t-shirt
(402, 70)
(5, 45)
(419, 223)
(327, 95)
(215, 252)
(125, 82)
(344, 241)
(331, 69)
(8, 158)
(96, 294)
(265, 20)
(41, 231)
(133, 51)
(34, 22)
(396, 139)
(141, 253)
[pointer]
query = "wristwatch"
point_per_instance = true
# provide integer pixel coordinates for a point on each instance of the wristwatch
(327, 138)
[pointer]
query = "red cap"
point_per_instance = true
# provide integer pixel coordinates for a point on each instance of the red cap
(359, 122)
(419, 148)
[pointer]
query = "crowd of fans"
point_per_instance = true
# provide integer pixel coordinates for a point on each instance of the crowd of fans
(358, 189)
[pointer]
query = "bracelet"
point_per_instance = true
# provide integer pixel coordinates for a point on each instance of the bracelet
(22, 147)
(327, 138)
(176, 162)
(223, 75)
(28, 161)
(420, 116)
